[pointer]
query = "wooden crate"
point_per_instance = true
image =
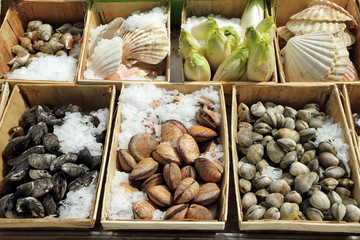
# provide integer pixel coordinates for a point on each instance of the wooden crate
(296, 96)
(286, 8)
(230, 9)
(4, 97)
(105, 12)
(28, 95)
(54, 12)
(167, 224)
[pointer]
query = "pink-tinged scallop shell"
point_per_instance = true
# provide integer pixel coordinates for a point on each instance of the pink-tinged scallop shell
(340, 63)
(307, 26)
(285, 33)
(125, 72)
(345, 37)
(351, 73)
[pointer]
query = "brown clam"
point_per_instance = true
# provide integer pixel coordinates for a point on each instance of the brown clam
(319, 200)
(171, 130)
(346, 183)
(188, 171)
(243, 112)
(327, 147)
(207, 118)
(290, 112)
(199, 212)
(343, 192)
(160, 195)
(209, 171)
(314, 214)
(249, 199)
(272, 213)
(144, 169)
(262, 194)
(201, 133)
(289, 211)
(188, 148)
(338, 210)
(244, 137)
(187, 190)
(156, 179)
(244, 185)
(288, 133)
(279, 186)
(328, 159)
(255, 153)
(176, 212)
(352, 213)
(143, 210)
(208, 194)
(293, 197)
(165, 154)
(127, 162)
(172, 175)
(255, 212)
(142, 145)
(274, 200)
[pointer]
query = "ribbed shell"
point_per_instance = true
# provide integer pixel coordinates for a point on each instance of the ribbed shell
(306, 26)
(351, 73)
(149, 45)
(309, 57)
(321, 13)
(107, 57)
(345, 37)
(285, 33)
(340, 63)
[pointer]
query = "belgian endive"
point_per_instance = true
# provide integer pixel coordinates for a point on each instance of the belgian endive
(202, 30)
(188, 42)
(196, 67)
(233, 37)
(261, 63)
(217, 48)
(253, 15)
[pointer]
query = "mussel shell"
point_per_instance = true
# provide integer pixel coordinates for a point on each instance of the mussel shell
(35, 149)
(35, 174)
(49, 204)
(30, 205)
(59, 161)
(60, 186)
(51, 143)
(41, 161)
(84, 180)
(36, 188)
(72, 169)
(6, 203)
(15, 147)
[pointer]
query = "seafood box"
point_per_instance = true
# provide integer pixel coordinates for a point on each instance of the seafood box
(320, 27)
(5, 92)
(134, 53)
(30, 208)
(265, 200)
(232, 11)
(188, 213)
(40, 45)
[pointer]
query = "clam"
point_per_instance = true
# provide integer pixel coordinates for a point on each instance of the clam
(255, 212)
(187, 190)
(279, 186)
(316, 123)
(334, 172)
(289, 211)
(247, 171)
(301, 125)
(128, 188)
(258, 109)
(245, 125)
(165, 154)
(328, 159)
(208, 194)
(188, 148)
(199, 212)
(307, 135)
(262, 194)
(270, 119)
(334, 197)
(308, 156)
(262, 128)
(261, 181)
(156, 179)
(320, 201)
(206, 117)
(127, 162)
(143, 210)
(276, 109)
(312, 189)
(202, 134)
(172, 175)
(176, 212)
(188, 171)
(275, 134)
(249, 199)
(274, 200)
(244, 185)
(301, 216)
(272, 213)
(288, 178)
(144, 169)
(303, 183)
(310, 145)
(171, 130)
(266, 140)
(160, 195)
(347, 201)
(343, 192)
(287, 144)
(30, 205)
(243, 113)
(280, 120)
(352, 213)
(313, 165)
(288, 133)
(304, 115)
(293, 197)
(345, 166)
(244, 137)
(314, 214)
(321, 173)
(257, 137)
(329, 183)
(274, 151)
(289, 123)
(142, 145)
(346, 183)
(262, 165)
(299, 150)
(338, 210)
(297, 168)
(209, 171)
(312, 105)
(255, 153)
(290, 113)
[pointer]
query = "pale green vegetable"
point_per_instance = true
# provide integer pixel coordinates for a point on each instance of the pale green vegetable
(202, 30)
(233, 37)
(196, 67)
(253, 15)
(217, 48)
(233, 67)
(266, 27)
(188, 42)
(252, 37)
(261, 63)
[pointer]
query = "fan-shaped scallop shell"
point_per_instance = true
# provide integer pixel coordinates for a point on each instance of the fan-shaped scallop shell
(285, 33)
(345, 37)
(340, 63)
(150, 45)
(107, 57)
(307, 26)
(351, 73)
(321, 13)
(309, 57)
(352, 23)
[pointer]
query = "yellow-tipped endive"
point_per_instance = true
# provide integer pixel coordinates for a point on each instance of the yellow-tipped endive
(261, 63)
(217, 48)
(202, 30)
(233, 67)
(188, 42)
(253, 15)
(266, 27)
(233, 37)
(196, 67)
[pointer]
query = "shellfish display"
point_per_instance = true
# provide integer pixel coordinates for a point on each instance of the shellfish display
(45, 171)
(142, 45)
(292, 166)
(175, 168)
(319, 37)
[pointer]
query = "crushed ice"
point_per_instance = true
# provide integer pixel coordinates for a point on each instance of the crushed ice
(271, 172)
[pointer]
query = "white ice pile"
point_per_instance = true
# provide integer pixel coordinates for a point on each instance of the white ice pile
(78, 132)
(332, 132)
(157, 15)
(78, 203)
(145, 107)
(54, 68)
(215, 155)
(271, 172)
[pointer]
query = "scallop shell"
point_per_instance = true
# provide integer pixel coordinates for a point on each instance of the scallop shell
(149, 45)
(322, 13)
(285, 33)
(309, 57)
(107, 57)
(345, 37)
(125, 73)
(352, 23)
(307, 26)
(340, 63)
(351, 73)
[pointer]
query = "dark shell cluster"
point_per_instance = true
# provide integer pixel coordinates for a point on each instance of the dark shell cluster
(41, 173)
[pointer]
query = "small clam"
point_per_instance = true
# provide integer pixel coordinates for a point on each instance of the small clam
(270, 119)
(352, 213)
(142, 145)
(208, 194)
(276, 109)
(275, 134)
(312, 189)
(343, 192)
(188, 148)
(293, 197)
(297, 168)
(279, 186)
(314, 214)
(308, 156)
(334, 197)
(257, 137)
(290, 112)
(199, 212)
(245, 125)
(290, 179)
(144, 169)
(303, 183)
(329, 183)
(280, 120)
(206, 117)
(310, 145)
(289, 211)
(171, 130)
(258, 109)
(319, 200)
(160, 195)
(143, 210)
(188, 171)
(307, 135)
(288, 133)
(345, 166)
(299, 150)
(262, 165)
(255, 153)
(321, 173)
(301, 216)
(338, 210)
(266, 140)
(289, 123)
(327, 147)
(312, 105)
(346, 183)
(334, 172)
(274, 200)
(244, 185)
(243, 112)
(156, 179)
(255, 212)
(315, 177)
(209, 171)
(187, 190)
(202, 134)
(328, 159)
(301, 125)
(274, 151)
(316, 123)
(313, 165)
(287, 144)
(176, 212)
(165, 154)
(313, 112)
(347, 201)
(304, 115)
(262, 194)
(172, 175)
(127, 162)
(328, 216)
(272, 213)
(249, 199)
(247, 171)
(244, 137)
(261, 181)
(262, 128)
(268, 105)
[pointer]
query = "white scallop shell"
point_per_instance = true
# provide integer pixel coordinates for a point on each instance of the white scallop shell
(309, 57)
(107, 57)
(345, 37)
(351, 73)
(306, 26)
(340, 63)
(321, 13)
(150, 45)
(285, 33)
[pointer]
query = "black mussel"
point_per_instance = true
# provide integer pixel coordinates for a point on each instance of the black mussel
(59, 161)
(51, 143)
(6, 204)
(36, 188)
(30, 205)
(60, 185)
(94, 120)
(72, 169)
(35, 149)
(356, 118)
(101, 137)
(49, 204)
(41, 161)
(15, 147)
(84, 180)
(37, 132)
(16, 131)
(19, 172)
(27, 120)
(36, 174)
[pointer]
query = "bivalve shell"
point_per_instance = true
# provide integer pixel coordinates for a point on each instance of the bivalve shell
(289, 211)
(209, 171)
(314, 214)
(255, 212)
(142, 145)
(187, 190)
(144, 169)
(328, 159)
(208, 194)
(188, 148)
(319, 200)
(165, 154)
(255, 153)
(156, 179)
(160, 195)
(322, 13)
(127, 162)
(249, 199)
(338, 210)
(307, 27)
(279, 186)
(272, 213)
(177, 212)
(274, 200)
(143, 210)
(199, 212)
(188, 171)
(202, 134)
(172, 175)
(274, 151)
(352, 213)
(171, 130)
